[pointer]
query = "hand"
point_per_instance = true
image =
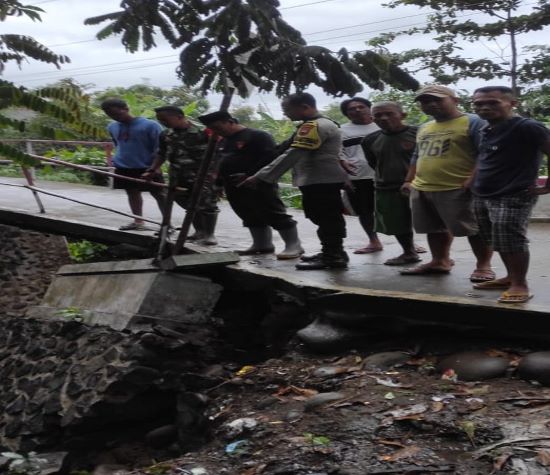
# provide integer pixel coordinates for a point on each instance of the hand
(250, 182)
(406, 188)
(539, 190)
(148, 175)
(348, 167)
(348, 184)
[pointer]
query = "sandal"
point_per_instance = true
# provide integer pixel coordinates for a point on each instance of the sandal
(482, 275)
(514, 297)
(492, 285)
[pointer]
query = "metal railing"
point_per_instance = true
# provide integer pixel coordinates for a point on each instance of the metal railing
(107, 170)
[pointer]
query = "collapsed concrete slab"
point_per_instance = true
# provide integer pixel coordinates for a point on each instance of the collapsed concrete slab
(130, 294)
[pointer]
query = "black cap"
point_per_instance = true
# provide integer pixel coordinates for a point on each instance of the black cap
(215, 116)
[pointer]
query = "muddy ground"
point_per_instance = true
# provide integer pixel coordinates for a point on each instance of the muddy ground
(285, 411)
(307, 414)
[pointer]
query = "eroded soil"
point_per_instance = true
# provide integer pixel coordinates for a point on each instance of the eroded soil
(407, 419)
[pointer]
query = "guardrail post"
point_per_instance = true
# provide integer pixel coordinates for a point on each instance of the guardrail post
(29, 175)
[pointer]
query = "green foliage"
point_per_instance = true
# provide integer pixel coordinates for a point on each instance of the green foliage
(414, 115)
(239, 45)
(20, 48)
(332, 111)
(85, 251)
(63, 104)
(316, 439)
(143, 98)
(291, 197)
(446, 63)
(80, 156)
(71, 314)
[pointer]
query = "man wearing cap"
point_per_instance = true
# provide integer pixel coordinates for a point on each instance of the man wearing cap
(314, 155)
(439, 183)
(183, 145)
(242, 153)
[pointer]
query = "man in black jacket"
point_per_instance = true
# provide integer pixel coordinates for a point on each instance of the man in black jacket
(242, 153)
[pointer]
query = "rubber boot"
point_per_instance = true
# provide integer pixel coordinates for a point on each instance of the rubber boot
(262, 242)
(293, 247)
(209, 221)
(198, 225)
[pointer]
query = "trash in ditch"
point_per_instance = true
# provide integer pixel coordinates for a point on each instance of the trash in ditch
(237, 447)
(238, 426)
(391, 384)
(475, 403)
(389, 395)
(245, 370)
(404, 412)
(449, 375)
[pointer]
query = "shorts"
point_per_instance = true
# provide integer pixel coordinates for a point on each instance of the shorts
(393, 213)
(121, 184)
(503, 221)
(361, 198)
(443, 211)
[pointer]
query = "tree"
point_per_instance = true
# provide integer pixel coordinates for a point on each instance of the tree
(143, 98)
(453, 20)
(61, 103)
(18, 47)
(238, 45)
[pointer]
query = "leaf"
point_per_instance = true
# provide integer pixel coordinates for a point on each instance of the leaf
(543, 457)
(469, 429)
(415, 409)
(500, 461)
(405, 453)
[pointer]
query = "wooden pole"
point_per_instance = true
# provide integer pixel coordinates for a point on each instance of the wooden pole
(199, 182)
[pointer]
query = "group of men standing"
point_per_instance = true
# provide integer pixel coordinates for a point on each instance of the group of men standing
(457, 175)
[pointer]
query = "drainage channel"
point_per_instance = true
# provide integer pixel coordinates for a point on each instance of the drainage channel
(251, 391)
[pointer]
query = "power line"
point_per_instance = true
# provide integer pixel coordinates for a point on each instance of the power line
(305, 4)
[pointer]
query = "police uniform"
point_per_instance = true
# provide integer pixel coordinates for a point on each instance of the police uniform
(313, 156)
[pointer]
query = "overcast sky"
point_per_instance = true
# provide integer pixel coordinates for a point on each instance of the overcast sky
(330, 23)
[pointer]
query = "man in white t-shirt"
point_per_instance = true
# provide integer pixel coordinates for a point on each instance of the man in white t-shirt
(360, 193)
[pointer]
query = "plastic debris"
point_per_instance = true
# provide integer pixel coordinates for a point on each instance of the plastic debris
(245, 370)
(238, 426)
(237, 447)
(450, 375)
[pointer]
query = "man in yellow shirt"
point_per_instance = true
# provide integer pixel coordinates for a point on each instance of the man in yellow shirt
(439, 183)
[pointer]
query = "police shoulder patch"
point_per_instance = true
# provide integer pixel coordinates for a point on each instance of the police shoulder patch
(307, 136)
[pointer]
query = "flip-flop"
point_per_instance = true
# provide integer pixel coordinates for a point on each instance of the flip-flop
(424, 270)
(492, 285)
(368, 250)
(514, 297)
(402, 260)
(482, 275)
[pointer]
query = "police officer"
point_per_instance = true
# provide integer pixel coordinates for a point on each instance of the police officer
(313, 156)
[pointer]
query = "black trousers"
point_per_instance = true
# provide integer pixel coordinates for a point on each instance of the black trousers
(323, 206)
(260, 206)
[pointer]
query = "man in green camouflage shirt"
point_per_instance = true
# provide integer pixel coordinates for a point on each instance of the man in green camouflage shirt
(183, 145)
